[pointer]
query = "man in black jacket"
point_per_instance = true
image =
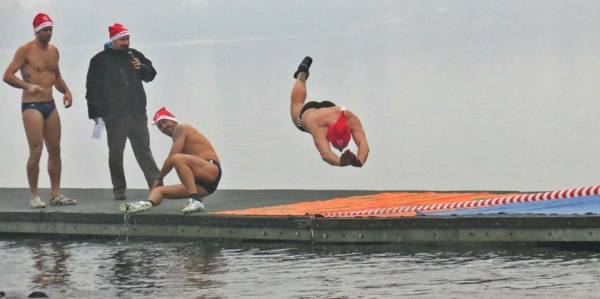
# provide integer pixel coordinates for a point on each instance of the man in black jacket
(115, 95)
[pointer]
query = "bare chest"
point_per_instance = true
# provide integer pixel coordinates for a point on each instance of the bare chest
(41, 61)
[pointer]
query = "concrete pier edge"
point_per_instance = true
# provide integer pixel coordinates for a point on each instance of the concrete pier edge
(525, 228)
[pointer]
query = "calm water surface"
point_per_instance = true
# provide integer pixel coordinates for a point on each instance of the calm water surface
(132, 269)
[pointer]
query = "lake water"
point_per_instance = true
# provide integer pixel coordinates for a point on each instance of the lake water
(153, 269)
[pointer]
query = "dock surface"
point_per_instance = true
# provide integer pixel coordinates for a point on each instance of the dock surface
(322, 216)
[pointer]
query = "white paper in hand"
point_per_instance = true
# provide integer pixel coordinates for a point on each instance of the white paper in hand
(98, 128)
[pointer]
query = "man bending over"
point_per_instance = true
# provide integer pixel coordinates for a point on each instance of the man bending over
(195, 161)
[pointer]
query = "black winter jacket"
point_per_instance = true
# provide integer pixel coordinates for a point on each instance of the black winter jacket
(114, 87)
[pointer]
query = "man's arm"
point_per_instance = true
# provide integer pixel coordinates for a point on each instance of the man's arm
(9, 74)
(62, 87)
(327, 154)
(94, 94)
(146, 71)
(360, 138)
(176, 148)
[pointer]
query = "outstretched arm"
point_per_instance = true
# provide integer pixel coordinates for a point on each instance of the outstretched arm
(9, 74)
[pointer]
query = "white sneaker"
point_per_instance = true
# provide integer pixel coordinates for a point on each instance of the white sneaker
(37, 203)
(62, 200)
(135, 207)
(193, 206)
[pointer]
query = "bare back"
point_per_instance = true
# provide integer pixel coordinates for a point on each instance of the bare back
(37, 65)
(196, 143)
(316, 121)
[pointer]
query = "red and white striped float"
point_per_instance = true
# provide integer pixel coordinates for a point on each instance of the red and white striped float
(494, 201)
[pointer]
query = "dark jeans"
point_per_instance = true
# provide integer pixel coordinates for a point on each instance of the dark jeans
(136, 130)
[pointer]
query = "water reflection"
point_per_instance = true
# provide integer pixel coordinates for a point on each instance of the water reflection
(50, 261)
(133, 269)
(198, 263)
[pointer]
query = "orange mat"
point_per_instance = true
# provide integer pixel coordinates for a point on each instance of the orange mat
(364, 202)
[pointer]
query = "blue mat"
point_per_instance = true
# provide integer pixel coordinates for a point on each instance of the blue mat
(578, 205)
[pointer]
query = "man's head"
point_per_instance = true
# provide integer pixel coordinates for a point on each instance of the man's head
(42, 27)
(338, 132)
(165, 121)
(119, 36)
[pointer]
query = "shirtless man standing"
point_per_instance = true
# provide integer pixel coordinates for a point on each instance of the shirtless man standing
(37, 61)
(195, 161)
(327, 124)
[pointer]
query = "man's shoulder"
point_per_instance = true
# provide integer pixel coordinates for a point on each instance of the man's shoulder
(99, 54)
(136, 51)
(26, 47)
(188, 129)
(53, 48)
(184, 128)
(349, 113)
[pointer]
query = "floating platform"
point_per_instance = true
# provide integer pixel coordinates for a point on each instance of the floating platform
(321, 216)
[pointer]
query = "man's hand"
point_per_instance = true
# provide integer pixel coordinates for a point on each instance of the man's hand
(34, 88)
(68, 99)
(136, 63)
(356, 161)
(346, 158)
(349, 158)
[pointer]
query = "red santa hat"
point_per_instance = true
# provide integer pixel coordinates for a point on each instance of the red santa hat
(41, 21)
(161, 114)
(116, 31)
(338, 133)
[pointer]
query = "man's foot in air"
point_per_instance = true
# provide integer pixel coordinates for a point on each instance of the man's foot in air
(303, 67)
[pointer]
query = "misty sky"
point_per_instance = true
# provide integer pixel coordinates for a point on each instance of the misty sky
(454, 95)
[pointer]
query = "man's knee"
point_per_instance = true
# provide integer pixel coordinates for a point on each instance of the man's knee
(53, 150)
(178, 159)
(35, 152)
(115, 155)
(115, 160)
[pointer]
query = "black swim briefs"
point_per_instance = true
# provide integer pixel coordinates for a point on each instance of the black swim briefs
(212, 186)
(312, 105)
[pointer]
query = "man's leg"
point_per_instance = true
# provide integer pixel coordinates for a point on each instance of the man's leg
(116, 133)
(172, 192)
(189, 168)
(299, 90)
(157, 195)
(140, 143)
(52, 140)
(33, 121)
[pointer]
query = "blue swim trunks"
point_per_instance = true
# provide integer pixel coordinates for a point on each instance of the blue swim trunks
(45, 108)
